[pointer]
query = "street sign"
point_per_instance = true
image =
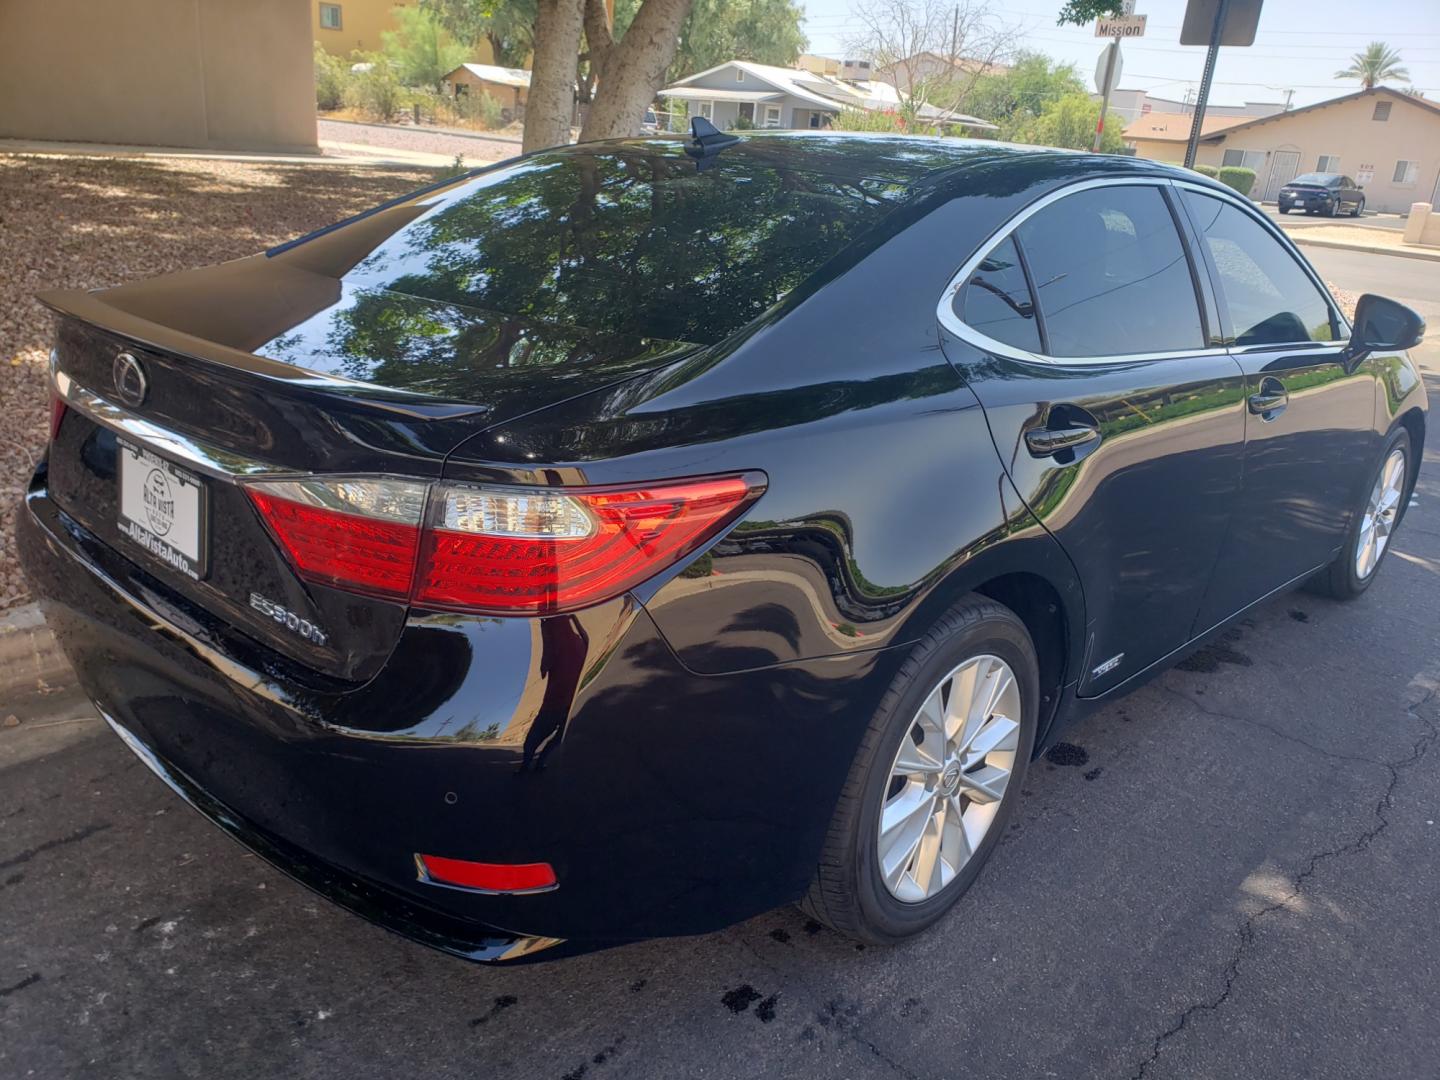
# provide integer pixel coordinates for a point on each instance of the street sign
(1105, 67)
(1241, 19)
(1126, 26)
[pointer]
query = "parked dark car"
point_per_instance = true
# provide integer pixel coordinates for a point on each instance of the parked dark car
(1322, 193)
(633, 537)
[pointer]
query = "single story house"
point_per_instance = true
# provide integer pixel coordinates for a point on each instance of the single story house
(1389, 142)
(935, 68)
(1133, 104)
(740, 93)
(508, 86)
(1164, 136)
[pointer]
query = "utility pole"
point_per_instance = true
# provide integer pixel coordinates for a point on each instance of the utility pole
(955, 38)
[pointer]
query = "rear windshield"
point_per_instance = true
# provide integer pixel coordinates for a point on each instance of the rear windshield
(1319, 179)
(631, 239)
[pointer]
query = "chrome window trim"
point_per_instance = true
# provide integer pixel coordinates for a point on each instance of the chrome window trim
(196, 454)
(945, 313)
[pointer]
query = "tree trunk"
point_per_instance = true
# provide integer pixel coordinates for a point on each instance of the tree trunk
(551, 101)
(629, 72)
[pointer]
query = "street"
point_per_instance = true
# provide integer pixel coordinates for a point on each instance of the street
(1232, 872)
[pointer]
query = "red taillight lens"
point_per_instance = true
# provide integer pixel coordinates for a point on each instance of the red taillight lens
(57, 413)
(491, 550)
(487, 877)
(356, 534)
(588, 546)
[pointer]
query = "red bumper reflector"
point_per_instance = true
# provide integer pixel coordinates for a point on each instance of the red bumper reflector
(490, 877)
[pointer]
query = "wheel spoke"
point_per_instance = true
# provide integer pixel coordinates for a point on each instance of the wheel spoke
(985, 784)
(957, 848)
(963, 687)
(997, 733)
(927, 856)
(905, 838)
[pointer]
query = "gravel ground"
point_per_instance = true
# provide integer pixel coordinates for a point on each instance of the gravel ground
(72, 222)
(475, 149)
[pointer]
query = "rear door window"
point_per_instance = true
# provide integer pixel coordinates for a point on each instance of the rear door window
(1270, 298)
(1111, 276)
(996, 300)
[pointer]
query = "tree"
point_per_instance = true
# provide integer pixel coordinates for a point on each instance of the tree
(1377, 63)
(1014, 97)
(1080, 12)
(765, 31)
(508, 25)
(909, 41)
(1070, 122)
(629, 69)
(551, 99)
(422, 50)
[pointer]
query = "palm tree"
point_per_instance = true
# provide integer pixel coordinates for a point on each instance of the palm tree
(1377, 62)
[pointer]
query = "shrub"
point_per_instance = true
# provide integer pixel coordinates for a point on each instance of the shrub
(332, 79)
(1208, 170)
(378, 92)
(492, 113)
(1233, 176)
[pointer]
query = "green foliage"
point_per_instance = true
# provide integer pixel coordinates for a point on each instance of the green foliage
(1080, 12)
(1016, 97)
(508, 25)
(378, 92)
(422, 51)
(332, 79)
(881, 120)
(1233, 176)
(763, 31)
(1070, 122)
(454, 169)
(1208, 170)
(1376, 64)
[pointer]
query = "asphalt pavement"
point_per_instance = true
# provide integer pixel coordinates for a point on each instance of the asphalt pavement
(1233, 872)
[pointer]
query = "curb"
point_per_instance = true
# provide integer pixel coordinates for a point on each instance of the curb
(1298, 237)
(453, 133)
(29, 654)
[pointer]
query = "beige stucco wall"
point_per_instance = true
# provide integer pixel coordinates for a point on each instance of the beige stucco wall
(1411, 134)
(204, 73)
(1158, 149)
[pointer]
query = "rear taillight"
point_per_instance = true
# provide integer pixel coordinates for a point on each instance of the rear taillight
(495, 550)
(57, 413)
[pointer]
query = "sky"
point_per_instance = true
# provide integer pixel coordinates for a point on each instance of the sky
(1300, 45)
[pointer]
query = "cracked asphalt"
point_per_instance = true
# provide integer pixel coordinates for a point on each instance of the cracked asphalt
(1233, 872)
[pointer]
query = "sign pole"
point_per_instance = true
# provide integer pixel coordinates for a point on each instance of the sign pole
(1210, 57)
(1110, 80)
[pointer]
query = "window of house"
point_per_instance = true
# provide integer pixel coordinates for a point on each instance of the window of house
(1270, 298)
(1406, 172)
(996, 300)
(739, 74)
(1111, 277)
(1245, 159)
(330, 16)
(772, 116)
(1328, 163)
(705, 109)
(1382, 111)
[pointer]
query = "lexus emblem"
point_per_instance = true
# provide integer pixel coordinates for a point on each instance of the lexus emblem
(131, 385)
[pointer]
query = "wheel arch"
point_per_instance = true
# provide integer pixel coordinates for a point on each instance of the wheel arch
(1413, 421)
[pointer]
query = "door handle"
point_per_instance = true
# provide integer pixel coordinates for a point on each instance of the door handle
(1270, 400)
(1047, 442)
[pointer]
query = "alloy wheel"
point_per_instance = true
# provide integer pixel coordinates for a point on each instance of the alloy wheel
(1381, 512)
(948, 778)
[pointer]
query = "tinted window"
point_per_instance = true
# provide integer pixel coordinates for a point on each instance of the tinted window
(1110, 274)
(632, 241)
(1270, 298)
(1317, 179)
(996, 300)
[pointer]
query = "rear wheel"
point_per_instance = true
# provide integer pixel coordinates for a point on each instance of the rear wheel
(935, 779)
(1359, 560)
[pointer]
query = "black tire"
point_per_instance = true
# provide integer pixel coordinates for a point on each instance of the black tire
(848, 893)
(1331, 209)
(1359, 208)
(1284, 209)
(1340, 579)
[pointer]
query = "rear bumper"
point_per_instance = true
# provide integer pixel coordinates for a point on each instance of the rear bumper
(667, 802)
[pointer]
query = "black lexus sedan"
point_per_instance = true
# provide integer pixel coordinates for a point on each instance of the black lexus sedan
(632, 537)
(1322, 193)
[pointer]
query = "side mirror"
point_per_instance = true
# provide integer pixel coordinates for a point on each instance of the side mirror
(1383, 325)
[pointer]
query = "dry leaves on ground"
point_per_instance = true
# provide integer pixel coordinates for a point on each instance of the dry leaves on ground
(72, 222)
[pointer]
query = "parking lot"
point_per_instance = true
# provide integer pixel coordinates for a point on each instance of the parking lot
(1233, 872)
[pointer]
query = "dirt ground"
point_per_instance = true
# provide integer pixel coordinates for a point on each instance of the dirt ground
(72, 222)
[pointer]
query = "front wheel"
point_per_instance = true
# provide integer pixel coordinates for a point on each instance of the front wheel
(1284, 209)
(935, 779)
(1374, 523)
(1359, 208)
